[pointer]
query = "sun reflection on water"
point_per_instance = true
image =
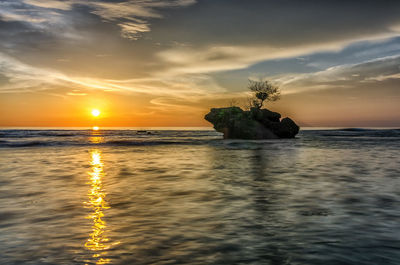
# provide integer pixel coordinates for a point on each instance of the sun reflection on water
(96, 137)
(98, 242)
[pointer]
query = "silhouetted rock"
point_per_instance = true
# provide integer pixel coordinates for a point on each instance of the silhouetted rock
(233, 122)
(265, 115)
(287, 128)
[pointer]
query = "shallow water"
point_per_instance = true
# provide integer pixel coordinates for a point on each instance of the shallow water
(188, 197)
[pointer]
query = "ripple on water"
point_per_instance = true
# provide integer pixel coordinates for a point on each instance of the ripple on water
(323, 198)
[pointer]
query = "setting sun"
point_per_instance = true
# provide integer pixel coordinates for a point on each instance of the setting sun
(95, 112)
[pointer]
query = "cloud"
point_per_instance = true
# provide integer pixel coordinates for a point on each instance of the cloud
(131, 30)
(76, 94)
(36, 17)
(344, 76)
(216, 37)
(21, 77)
(50, 4)
(131, 16)
(222, 58)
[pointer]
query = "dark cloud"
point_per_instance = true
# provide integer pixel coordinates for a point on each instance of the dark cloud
(277, 23)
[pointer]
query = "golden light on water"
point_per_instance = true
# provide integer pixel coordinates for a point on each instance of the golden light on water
(96, 136)
(95, 112)
(98, 242)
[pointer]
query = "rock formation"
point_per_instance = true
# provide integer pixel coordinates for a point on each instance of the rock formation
(256, 123)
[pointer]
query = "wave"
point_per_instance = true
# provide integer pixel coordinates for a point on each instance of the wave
(8, 144)
(146, 143)
(89, 133)
(357, 132)
(355, 129)
(23, 144)
(42, 138)
(38, 133)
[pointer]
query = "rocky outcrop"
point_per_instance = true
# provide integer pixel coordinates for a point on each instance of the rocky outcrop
(233, 122)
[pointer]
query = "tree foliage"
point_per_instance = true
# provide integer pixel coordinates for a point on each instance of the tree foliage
(263, 91)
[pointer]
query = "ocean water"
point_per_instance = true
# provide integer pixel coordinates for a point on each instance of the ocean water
(189, 197)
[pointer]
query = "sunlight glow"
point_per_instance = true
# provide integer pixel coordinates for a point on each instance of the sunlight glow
(95, 128)
(95, 112)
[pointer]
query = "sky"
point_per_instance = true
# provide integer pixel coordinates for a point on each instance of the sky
(151, 63)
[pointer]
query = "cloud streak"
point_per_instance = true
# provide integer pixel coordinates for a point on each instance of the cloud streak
(343, 76)
(223, 58)
(21, 77)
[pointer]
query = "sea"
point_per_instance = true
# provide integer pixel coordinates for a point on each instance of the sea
(187, 196)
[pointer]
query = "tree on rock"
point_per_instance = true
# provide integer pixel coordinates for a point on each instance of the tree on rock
(263, 91)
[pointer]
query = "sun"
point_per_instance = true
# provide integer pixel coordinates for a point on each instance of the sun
(95, 112)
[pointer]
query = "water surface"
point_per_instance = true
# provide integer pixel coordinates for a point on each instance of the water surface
(188, 197)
